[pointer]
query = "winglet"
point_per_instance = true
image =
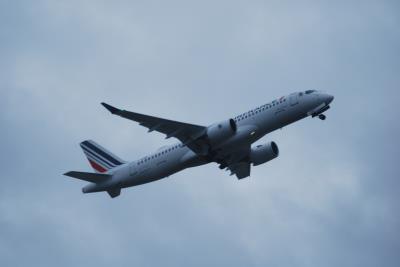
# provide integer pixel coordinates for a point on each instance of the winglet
(110, 108)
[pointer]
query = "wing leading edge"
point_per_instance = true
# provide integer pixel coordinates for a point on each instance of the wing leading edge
(185, 132)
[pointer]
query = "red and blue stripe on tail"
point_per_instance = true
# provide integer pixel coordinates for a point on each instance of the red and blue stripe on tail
(99, 158)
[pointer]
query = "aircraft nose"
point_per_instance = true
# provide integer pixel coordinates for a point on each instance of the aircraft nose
(328, 98)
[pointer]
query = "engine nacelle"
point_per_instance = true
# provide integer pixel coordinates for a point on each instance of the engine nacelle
(219, 132)
(263, 153)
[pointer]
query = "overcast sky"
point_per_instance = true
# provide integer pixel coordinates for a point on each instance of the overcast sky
(330, 199)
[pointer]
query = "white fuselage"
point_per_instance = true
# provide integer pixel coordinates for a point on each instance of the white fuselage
(251, 126)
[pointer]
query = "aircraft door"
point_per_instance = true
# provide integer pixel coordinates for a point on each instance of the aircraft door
(133, 169)
(284, 104)
(294, 99)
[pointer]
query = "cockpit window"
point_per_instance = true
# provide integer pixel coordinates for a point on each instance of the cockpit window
(310, 91)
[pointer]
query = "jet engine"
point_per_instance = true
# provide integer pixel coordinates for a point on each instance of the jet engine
(219, 132)
(263, 153)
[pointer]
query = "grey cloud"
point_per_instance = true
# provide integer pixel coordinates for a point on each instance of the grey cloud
(329, 199)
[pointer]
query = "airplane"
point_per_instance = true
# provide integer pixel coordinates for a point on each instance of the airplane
(228, 143)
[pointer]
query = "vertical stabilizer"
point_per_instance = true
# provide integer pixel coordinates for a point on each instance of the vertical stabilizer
(100, 158)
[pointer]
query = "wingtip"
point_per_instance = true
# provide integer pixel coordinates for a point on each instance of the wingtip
(110, 108)
(67, 173)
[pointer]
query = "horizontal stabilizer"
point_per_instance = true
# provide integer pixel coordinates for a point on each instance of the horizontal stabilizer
(89, 176)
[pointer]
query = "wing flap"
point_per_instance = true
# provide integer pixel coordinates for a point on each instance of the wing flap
(241, 169)
(237, 162)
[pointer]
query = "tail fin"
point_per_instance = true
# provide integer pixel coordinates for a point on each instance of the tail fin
(99, 158)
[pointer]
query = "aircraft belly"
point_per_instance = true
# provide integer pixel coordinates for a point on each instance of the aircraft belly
(143, 177)
(189, 160)
(160, 169)
(283, 118)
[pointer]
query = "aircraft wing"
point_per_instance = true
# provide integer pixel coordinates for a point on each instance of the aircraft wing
(185, 132)
(240, 169)
(237, 162)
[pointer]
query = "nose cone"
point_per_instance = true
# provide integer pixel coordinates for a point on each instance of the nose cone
(328, 98)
